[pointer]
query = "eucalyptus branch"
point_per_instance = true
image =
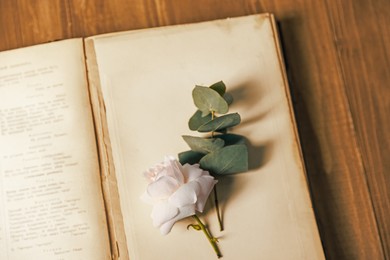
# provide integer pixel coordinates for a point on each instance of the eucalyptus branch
(216, 203)
(220, 153)
(212, 118)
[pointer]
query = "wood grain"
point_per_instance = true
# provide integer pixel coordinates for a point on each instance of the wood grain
(364, 55)
(337, 58)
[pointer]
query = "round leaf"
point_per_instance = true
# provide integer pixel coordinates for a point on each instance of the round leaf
(231, 139)
(228, 160)
(219, 87)
(190, 157)
(197, 120)
(228, 98)
(203, 145)
(221, 122)
(208, 100)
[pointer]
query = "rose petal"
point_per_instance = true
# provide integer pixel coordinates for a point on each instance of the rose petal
(184, 212)
(152, 173)
(162, 173)
(192, 172)
(169, 158)
(163, 212)
(176, 191)
(173, 168)
(206, 184)
(185, 195)
(162, 188)
(177, 170)
(146, 198)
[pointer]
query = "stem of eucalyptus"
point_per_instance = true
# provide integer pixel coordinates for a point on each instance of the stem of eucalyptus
(212, 118)
(215, 188)
(213, 241)
(217, 208)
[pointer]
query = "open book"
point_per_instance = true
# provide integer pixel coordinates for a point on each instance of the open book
(81, 119)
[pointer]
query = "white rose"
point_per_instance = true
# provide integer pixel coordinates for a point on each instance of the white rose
(176, 191)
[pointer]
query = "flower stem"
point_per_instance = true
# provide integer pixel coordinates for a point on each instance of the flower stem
(213, 241)
(217, 208)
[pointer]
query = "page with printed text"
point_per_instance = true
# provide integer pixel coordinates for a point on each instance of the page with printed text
(50, 191)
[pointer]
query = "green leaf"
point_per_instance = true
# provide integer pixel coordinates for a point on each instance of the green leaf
(221, 122)
(203, 145)
(228, 98)
(190, 157)
(219, 87)
(208, 100)
(228, 160)
(231, 139)
(197, 120)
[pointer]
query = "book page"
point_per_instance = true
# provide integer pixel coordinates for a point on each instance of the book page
(107, 169)
(146, 79)
(50, 194)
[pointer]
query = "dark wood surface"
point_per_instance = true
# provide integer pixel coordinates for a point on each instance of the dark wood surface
(338, 61)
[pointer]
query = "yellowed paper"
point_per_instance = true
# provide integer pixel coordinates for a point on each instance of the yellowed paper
(50, 194)
(147, 77)
(107, 169)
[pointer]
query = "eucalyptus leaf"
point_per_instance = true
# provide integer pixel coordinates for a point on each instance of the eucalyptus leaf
(228, 160)
(190, 157)
(203, 145)
(219, 87)
(231, 139)
(222, 131)
(197, 120)
(221, 122)
(208, 100)
(228, 98)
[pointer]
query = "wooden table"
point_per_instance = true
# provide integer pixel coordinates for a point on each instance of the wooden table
(338, 61)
